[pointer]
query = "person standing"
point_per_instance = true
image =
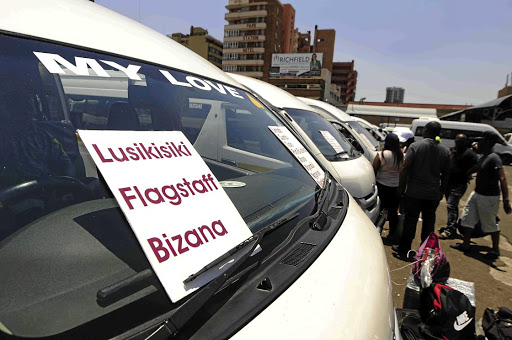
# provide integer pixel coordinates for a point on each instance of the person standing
(423, 180)
(387, 170)
(314, 64)
(462, 160)
(484, 202)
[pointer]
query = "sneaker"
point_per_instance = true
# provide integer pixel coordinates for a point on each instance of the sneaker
(460, 247)
(446, 235)
(492, 255)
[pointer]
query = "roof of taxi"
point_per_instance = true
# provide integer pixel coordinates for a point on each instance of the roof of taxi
(89, 25)
(328, 107)
(273, 94)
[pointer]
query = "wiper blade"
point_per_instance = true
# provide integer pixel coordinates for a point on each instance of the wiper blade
(337, 155)
(238, 247)
(320, 222)
(187, 310)
(130, 285)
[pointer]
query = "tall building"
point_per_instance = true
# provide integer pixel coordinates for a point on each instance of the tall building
(288, 33)
(345, 76)
(394, 95)
(324, 43)
(253, 33)
(296, 74)
(203, 44)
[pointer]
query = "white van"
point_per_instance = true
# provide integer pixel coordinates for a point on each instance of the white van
(70, 263)
(342, 160)
(347, 125)
(450, 129)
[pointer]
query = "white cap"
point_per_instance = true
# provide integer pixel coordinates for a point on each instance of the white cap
(403, 134)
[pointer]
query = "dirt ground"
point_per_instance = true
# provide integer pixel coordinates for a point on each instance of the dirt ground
(492, 278)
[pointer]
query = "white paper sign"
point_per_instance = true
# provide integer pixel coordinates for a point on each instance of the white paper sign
(179, 212)
(299, 152)
(333, 142)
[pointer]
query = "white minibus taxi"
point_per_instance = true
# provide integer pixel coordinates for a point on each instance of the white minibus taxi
(73, 264)
(348, 125)
(450, 129)
(347, 165)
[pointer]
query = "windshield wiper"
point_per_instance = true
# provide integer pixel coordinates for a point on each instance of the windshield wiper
(187, 310)
(181, 315)
(320, 222)
(337, 155)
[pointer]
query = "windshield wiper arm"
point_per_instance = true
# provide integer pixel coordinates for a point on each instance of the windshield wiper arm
(187, 310)
(336, 155)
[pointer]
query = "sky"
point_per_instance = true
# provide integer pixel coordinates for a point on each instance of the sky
(439, 51)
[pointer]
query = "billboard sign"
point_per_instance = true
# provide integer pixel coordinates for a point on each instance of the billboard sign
(296, 65)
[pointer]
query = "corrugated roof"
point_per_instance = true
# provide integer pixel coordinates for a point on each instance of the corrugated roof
(492, 103)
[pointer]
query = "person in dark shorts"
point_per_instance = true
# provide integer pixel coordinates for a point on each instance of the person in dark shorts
(483, 203)
(462, 161)
(423, 180)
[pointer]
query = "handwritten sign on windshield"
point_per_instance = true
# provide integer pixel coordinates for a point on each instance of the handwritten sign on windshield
(300, 153)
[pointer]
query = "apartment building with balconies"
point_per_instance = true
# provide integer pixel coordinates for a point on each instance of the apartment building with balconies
(203, 44)
(345, 76)
(252, 35)
(288, 31)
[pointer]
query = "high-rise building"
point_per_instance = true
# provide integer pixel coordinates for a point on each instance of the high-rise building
(394, 95)
(324, 43)
(303, 42)
(254, 31)
(313, 84)
(345, 76)
(203, 44)
(288, 33)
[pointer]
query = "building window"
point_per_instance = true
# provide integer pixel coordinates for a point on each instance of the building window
(231, 33)
(231, 44)
(229, 68)
(230, 56)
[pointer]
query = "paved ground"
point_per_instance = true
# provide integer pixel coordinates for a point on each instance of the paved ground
(492, 279)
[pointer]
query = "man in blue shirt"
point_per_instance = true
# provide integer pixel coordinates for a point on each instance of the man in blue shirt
(423, 180)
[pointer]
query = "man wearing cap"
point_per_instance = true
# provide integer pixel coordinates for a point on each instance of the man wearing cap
(483, 203)
(423, 178)
(405, 136)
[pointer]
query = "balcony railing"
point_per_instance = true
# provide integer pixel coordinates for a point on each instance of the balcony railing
(246, 50)
(246, 38)
(242, 15)
(248, 26)
(247, 62)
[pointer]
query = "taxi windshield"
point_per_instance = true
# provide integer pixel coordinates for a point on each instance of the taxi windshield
(63, 236)
(363, 132)
(327, 139)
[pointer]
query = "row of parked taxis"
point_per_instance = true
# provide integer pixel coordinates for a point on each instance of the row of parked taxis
(104, 122)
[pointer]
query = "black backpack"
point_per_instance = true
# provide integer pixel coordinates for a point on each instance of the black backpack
(497, 325)
(446, 313)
